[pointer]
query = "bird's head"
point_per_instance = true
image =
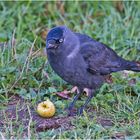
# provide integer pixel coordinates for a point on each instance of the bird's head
(55, 37)
(61, 40)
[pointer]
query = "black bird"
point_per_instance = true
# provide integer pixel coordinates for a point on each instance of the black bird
(83, 61)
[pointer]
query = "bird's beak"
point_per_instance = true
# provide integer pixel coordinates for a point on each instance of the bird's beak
(51, 46)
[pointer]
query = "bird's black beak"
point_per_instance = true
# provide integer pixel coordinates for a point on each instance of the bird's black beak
(51, 44)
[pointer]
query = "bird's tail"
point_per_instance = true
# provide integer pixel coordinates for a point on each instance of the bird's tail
(132, 65)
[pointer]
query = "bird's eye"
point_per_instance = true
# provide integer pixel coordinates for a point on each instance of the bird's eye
(61, 40)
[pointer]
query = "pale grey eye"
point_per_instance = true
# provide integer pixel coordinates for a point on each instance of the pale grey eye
(61, 40)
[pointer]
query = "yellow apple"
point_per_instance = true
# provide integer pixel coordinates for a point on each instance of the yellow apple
(46, 109)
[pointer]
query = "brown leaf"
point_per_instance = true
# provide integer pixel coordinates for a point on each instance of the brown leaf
(109, 79)
(63, 94)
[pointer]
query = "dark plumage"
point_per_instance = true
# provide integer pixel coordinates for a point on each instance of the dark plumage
(83, 61)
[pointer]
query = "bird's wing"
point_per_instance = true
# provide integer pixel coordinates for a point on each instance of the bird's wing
(99, 58)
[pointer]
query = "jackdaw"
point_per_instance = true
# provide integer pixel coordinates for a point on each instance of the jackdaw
(82, 61)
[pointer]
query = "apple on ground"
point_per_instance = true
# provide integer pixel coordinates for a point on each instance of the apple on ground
(46, 109)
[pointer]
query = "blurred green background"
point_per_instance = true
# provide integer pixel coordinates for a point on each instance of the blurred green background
(24, 68)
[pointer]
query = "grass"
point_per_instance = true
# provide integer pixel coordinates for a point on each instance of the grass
(23, 28)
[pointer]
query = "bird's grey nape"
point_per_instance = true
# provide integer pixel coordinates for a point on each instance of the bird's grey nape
(73, 42)
(74, 51)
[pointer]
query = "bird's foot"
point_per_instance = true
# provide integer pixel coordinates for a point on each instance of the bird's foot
(74, 89)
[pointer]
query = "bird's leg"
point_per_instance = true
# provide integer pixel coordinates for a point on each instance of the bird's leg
(79, 91)
(91, 94)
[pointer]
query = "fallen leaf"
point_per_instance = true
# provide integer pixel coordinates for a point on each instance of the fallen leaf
(109, 79)
(63, 94)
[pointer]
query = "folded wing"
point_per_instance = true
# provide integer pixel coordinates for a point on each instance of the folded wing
(100, 58)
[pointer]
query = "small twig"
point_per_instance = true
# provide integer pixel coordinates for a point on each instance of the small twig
(36, 53)
(29, 124)
(30, 53)
(13, 44)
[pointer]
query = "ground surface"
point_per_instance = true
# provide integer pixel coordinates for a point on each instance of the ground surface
(26, 78)
(20, 112)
